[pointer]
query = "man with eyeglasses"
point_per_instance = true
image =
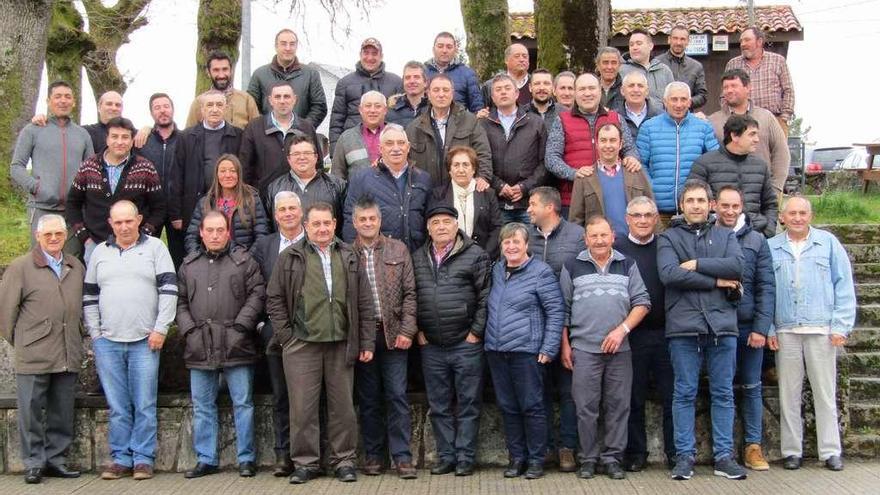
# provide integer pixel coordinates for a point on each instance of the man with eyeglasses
(650, 355)
(303, 177)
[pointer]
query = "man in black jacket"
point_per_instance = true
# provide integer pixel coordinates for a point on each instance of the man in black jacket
(701, 266)
(736, 164)
(517, 139)
(196, 154)
(452, 283)
(684, 68)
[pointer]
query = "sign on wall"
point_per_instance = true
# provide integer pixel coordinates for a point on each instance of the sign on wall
(698, 44)
(720, 43)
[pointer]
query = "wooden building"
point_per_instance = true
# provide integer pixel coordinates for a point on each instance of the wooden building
(714, 34)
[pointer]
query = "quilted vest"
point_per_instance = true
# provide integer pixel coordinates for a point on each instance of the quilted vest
(580, 143)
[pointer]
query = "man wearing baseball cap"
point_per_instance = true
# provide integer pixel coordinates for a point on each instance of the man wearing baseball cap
(452, 283)
(369, 75)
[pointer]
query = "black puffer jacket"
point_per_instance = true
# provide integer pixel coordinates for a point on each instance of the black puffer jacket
(242, 235)
(349, 90)
(755, 309)
(220, 300)
(751, 175)
(452, 299)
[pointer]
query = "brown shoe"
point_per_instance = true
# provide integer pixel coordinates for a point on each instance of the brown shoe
(371, 467)
(142, 472)
(115, 471)
(754, 458)
(550, 458)
(567, 463)
(406, 471)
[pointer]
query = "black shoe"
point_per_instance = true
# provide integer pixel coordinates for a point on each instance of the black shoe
(33, 476)
(614, 471)
(247, 470)
(635, 464)
(464, 468)
(535, 470)
(59, 471)
(200, 470)
(302, 475)
(346, 474)
(444, 467)
(587, 470)
(792, 462)
(834, 463)
(283, 466)
(515, 469)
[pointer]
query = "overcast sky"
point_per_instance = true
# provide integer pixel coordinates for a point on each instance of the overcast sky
(827, 67)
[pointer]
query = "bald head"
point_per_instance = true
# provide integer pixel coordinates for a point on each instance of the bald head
(109, 106)
(797, 202)
(516, 57)
(587, 93)
(797, 214)
(123, 207)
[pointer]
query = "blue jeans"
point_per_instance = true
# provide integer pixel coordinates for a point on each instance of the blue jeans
(518, 215)
(204, 385)
(749, 363)
(454, 382)
(129, 372)
(557, 381)
(519, 389)
(687, 354)
(383, 381)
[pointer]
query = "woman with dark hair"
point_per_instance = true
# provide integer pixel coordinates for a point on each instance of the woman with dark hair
(478, 214)
(239, 202)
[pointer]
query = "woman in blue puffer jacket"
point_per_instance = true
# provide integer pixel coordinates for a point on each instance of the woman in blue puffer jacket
(525, 317)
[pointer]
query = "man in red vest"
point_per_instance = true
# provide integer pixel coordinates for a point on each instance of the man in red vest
(571, 144)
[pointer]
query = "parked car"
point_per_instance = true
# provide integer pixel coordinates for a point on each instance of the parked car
(824, 160)
(857, 159)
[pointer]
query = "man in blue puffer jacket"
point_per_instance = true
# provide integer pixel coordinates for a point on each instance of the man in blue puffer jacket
(464, 79)
(669, 143)
(523, 330)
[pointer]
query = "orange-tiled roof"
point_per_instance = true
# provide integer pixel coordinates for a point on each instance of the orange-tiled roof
(774, 18)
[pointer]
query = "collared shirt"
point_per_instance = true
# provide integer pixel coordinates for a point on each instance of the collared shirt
(640, 243)
(610, 172)
(463, 198)
(398, 175)
(371, 141)
(770, 81)
(507, 122)
(440, 256)
(284, 130)
(797, 247)
(637, 117)
(370, 265)
(520, 82)
(221, 125)
(284, 241)
(301, 182)
(441, 124)
(114, 172)
(326, 264)
(54, 264)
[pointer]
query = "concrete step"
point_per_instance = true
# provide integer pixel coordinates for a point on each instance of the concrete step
(862, 444)
(868, 293)
(868, 315)
(854, 233)
(863, 363)
(864, 415)
(863, 253)
(864, 388)
(864, 339)
(865, 273)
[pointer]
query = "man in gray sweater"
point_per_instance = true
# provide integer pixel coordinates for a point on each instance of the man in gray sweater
(605, 298)
(55, 151)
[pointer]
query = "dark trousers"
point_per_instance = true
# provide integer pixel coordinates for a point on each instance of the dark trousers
(651, 364)
(557, 383)
(518, 380)
(175, 244)
(45, 444)
(453, 382)
(384, 380)
(280, 404)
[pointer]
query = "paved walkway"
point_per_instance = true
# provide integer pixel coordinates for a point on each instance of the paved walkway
(860, 477)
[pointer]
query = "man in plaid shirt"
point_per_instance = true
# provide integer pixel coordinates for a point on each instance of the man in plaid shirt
(771, 81)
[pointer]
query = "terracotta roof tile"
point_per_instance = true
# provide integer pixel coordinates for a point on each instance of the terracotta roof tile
(773, 18)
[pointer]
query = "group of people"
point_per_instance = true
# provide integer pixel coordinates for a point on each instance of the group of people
(513, 225)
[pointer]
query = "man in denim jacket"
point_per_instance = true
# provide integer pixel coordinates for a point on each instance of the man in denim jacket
(815, 311)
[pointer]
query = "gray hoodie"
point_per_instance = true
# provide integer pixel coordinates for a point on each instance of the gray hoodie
(55, 153)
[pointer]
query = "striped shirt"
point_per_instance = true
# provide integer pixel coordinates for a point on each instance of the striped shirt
(370, 265)
(771, 83)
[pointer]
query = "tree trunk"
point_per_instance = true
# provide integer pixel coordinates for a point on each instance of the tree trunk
(109, 28)
(219, 25)
(487, 25)
(67, 45)
(550, 31)
(587, 27)
(24, 27)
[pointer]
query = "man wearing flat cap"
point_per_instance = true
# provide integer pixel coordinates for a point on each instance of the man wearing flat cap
(452, 282)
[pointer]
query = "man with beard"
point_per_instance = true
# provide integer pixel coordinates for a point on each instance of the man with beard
(240, 106)
(542, 104)
(684, 68)
(464, 79)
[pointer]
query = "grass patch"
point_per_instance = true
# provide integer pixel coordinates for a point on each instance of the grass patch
(14, 235)
(846, 207)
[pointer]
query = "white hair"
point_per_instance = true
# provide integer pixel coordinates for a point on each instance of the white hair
(393, 127)
(51, 217)
(641, 200)
(634, 74)
(674, 86)
(376, 94)
(282, 195)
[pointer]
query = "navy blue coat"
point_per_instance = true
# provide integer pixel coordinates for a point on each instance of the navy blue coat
(464, 82)
(694, 304)
(526, 310)
(755, 311)
(403, 216)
